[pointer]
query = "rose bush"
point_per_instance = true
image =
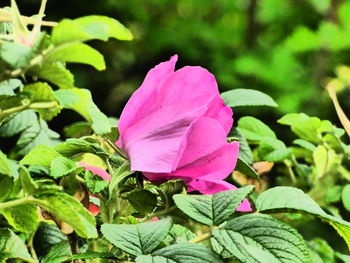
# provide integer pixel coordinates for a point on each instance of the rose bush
(175, 126)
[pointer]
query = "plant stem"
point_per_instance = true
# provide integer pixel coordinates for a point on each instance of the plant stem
(156, 214)
(17, 202)
(116, 149)
(290, 171)
(201, 238)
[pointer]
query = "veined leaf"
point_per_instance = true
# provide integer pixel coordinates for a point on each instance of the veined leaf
(41, 155)
(24, 218)
(247, 97)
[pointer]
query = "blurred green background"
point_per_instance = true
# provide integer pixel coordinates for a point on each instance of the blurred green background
(286, 48)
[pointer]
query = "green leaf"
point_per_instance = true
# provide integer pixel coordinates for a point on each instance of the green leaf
(248, 237)
(247, 97)
(254, 129)
(77, 53)
(47, 236)
(137, 239)
(93, 254)
(58, 253)
(62, 166)
(42, 92)
(7, 166)
(181, 253)
(38, 133)
(122, 172)
(41, 155)
(23, 218)
(80, 101)
(345, 197)
(142, 200)
(294, 200)
(12, 246)
(71, 211)
(95, 183)
(178, 234)
(28, 184)
(245, 153)
(87, 28)
(78, 129)
(6, 185)
(246, 169)
(212, 210)
(56, 73)
(17, 123)
(16, 55)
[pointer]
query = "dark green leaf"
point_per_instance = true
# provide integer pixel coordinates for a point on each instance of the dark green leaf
(137, 239)
(142, 200)
(58, 253)
(16, 123)
(6, 184)
(246, 169)
(215, 209)
(249, 237)
(22, 218)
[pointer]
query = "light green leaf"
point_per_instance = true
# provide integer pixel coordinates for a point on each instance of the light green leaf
(23, 218)
(181, 253)
(77, 53)
(28, 184)
(89, 27)
(254, 129)
(55, 73)
(71, 211)
(62, 166)
(42, 92)
(81, 101)
(346, 197)
(247, 97)
(7, 166)
(320, 156)
(12, 246)
(249, 237)
(41, 155)
(16, 55)
(215, 209)
(292, 199)
(139, 239)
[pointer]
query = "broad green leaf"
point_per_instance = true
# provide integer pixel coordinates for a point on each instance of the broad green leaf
(137, 239)
(346, 197)
(16, 55)
(305, 144)
(292, 199)
(41, 155)
(215, 209)
(142, 200)
(178, 234)
(71, 211)
(254, 129)
(28, 184)
(181, 253)
(47, 236)
(89, 27)
(246, 169)
(12, 246)
(273, 150)
(324, 253)
(58, 253)
(80, 100)
(16, 123)
(320, 156)
(62, 166)
(247, 97)
(77, 53)
(248, 237)
(56, 73)
(78, 129)
(42, 92)
(38, 133)
(6, 184)
(95, 183)
(23, 218)
(7, 166)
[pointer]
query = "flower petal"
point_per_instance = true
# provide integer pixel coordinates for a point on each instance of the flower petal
(96, 170)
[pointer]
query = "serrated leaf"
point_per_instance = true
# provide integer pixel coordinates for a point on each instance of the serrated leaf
(80, 100)
(247, 97)
(71, 211)
(42, 92)
(41, 155)
(58, 253)
(293, 199)
(212, 210)
(77, 53)
(95, 183)
(17, 123)
(62, 166)
(89, 27)
(56, 73)
(12, 246)
(181, 253)
(137, 239)
(278, 241)
(36, 134)
(23, 218)
(142, 200)
(246, 169)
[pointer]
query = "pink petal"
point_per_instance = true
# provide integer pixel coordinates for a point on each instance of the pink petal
(96, 170)
(220, 112)
(212, 187)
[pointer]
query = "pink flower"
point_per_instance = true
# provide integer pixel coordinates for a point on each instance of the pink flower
(94, 209)
(175, 127)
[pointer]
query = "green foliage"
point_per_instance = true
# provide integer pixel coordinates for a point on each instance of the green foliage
(247, 97)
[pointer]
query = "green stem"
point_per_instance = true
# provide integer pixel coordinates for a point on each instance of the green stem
(201, 238)
(116, 149)
(26, 200)
(290, 171)
(156, 214)
(27, 105)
